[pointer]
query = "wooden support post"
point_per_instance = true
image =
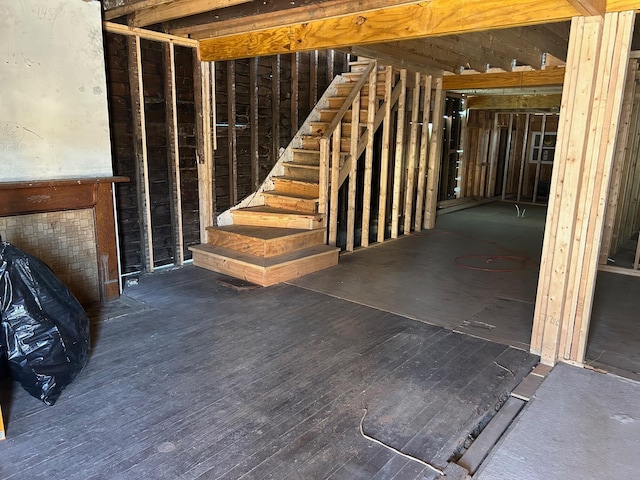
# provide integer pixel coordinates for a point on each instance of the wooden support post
(353, 173)
(424, 150)
(384, 161)
(411, 162)
(232, 137)
(523, 159)
(323, 182)
(507, 158)
(173, 151)
(313, 80)
(539, 161)
(204, 148)
(136, 88)
(622, 143)
(591, 102)
(295, 94)
(275, 107)
(368, 162)
(435, 158)
(463, 157)
(255, 123)
(335, 184)
(493, 157)
(399, 160)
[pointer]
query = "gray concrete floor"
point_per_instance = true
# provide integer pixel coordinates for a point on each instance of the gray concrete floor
(580, 425)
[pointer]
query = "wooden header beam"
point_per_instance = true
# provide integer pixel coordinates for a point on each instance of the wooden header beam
(177, 9)
(148, 34)
(532, 78)
(424, 19)
(589, 7)
(514, 102)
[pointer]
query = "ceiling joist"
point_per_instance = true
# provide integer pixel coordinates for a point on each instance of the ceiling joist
(177, 9)
(420, 20)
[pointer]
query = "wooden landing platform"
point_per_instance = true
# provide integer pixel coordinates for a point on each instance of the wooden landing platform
(265, 271)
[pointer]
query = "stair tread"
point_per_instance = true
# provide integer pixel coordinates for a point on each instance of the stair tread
(260, 261)
(295, 179)
(302, 165)
(290, 195)
(276, 211)
(262, 233)
(305, 150)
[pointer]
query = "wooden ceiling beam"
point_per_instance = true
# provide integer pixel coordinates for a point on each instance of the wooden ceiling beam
(532, 78)
(420, 20)
(131, 7)
(514, 102)
(622, 5)
(589, 7)
(163, 12)
(206, 26)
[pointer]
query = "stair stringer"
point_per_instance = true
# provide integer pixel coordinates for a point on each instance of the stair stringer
(256, 199)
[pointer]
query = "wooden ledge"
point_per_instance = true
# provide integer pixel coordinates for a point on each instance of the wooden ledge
(60, 183)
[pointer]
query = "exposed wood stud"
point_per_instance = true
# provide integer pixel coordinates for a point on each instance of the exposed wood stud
(204, 148)
(539, 161)
(435, 160)
(255, 122)
(523, 160)
(232, 141)
(493, 159)
(140, 146)
(353, 177)
(275, 107)
(313, 81)
(412, 154)
(295, 94)
(507, 159)
(368, 166)
(399, 157)
(336, 142)
(424, 151)
(384, 164)
(173, 151)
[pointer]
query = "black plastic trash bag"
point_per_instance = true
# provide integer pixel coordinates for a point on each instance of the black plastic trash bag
(45, 331)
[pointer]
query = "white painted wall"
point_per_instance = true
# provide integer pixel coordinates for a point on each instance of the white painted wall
(54, 120)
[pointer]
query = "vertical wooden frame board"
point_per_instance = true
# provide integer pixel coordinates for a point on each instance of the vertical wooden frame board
(295, 94)
(572, 131)
(435, 158)
(411, 157)
(136, 88)
(493, 158)
(538, 163)
(313, 82)
(173, 151)
(232, 137)
(54, 123)
(368, 165)
(592, 97)
(275, 107)
(204, 148)
(399, 159)
(323, 182)
(424, 150)
(523, 160)
(611, 80)
(384, 163)
(463, 157)
(336, 142)
(507, 158)
(255, 122)
(353, 174)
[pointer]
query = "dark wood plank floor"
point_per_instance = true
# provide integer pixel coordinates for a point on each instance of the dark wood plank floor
(189, 379)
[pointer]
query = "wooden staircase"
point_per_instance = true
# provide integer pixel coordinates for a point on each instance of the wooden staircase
(281, 233)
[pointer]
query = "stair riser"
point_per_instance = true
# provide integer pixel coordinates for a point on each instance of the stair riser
(327, 116)
(307, 157)
(265, 276)
(297, 188)
(265, 248)
(336, 102)
(312, 174)
(345, 89)
(317, 129)
(276, 220)
(313, 143)
(286, 203)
